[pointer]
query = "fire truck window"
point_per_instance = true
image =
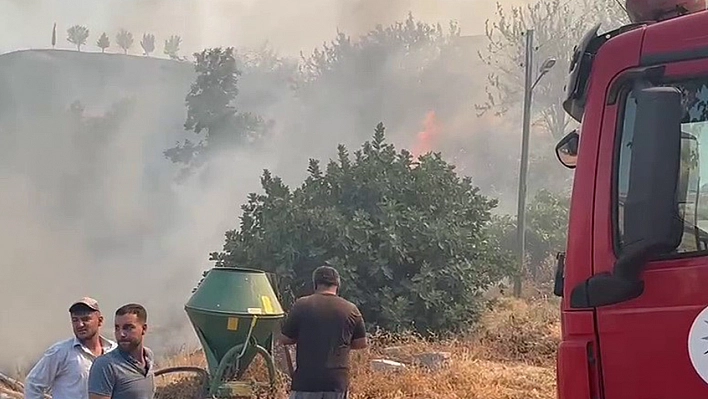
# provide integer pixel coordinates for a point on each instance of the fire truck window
(693, 180)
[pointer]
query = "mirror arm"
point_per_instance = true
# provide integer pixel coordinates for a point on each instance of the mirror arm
(623, 284)
(630, 265)
(607, 290)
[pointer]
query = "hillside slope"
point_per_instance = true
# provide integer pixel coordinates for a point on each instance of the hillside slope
(36, 78)
(35, 83)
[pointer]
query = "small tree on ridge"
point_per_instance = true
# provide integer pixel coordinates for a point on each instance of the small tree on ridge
(148, 43)
(124, 40)
(172, 47)
(103, 42)
(77, 35)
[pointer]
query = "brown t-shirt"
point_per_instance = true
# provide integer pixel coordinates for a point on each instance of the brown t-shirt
(324, 326)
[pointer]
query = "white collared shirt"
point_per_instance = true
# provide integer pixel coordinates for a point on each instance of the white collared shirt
(63, 370)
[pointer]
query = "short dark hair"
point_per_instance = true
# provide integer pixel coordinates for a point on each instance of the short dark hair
(326, 275)
(133, 308)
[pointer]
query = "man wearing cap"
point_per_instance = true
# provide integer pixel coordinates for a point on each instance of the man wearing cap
(325, 327)
(64, 368)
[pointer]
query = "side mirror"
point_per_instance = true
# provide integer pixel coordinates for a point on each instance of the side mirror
(652, 223)
(567, 149)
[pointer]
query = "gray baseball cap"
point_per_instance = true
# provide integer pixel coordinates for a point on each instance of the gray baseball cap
(86, 301)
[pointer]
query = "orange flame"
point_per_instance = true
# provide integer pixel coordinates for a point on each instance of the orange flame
(426, 140)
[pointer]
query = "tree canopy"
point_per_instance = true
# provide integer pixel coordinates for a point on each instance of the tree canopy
(211, 109)
(124, 39)
(103, 42)
(558, 26)
(408, 237)
(172, 46)
(546, 232)
(148, 43)
(395, 72)
(77, 35)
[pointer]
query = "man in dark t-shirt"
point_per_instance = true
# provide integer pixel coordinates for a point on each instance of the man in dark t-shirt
(325, 327)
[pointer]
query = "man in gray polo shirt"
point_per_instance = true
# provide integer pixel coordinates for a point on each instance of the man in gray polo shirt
(126, 372)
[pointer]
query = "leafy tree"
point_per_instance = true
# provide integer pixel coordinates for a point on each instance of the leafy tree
(393, 72)
(408, 238)
(402, 72)
(148, 43)
(548, 221)
(558, 26)
(209, 100)
(610, 13)
(265, 77)
(103, 42)
(185, 153)
(54, 35)
(172, 47)
(502, 234)
(546, 231)
(77, 35)
(210, 108)
(124, 40)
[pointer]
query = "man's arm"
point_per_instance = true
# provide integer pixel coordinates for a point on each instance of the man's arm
(42, 375)
(359, 332)
(101, 379)
(290, 328)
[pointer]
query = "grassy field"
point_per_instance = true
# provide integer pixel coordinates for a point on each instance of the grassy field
(511, 355)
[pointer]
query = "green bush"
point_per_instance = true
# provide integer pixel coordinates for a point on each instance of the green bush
(408, 237)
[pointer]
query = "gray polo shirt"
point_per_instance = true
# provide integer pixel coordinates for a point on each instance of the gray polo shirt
(118, 376)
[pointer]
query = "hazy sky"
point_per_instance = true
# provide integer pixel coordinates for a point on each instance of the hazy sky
(288, 26)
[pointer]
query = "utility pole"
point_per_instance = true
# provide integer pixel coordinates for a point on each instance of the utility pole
(523, 169)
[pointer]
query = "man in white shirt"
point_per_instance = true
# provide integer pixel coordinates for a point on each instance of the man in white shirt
(64, 367)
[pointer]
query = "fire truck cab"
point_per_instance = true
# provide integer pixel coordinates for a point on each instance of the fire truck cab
(634, 277)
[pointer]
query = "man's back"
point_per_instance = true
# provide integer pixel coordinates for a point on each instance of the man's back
(324, 326)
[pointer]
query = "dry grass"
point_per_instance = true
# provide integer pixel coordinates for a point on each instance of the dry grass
(526, 331)
(509, 356)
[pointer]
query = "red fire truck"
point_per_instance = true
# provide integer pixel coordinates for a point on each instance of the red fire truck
(634, 277)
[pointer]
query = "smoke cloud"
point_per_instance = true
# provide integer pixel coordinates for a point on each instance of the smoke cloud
(96, 210)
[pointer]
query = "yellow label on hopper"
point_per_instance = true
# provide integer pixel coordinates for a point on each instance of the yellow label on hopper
(232, 324)
(267, 304)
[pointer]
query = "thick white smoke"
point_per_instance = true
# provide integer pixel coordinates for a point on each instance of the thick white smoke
(101, 215)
